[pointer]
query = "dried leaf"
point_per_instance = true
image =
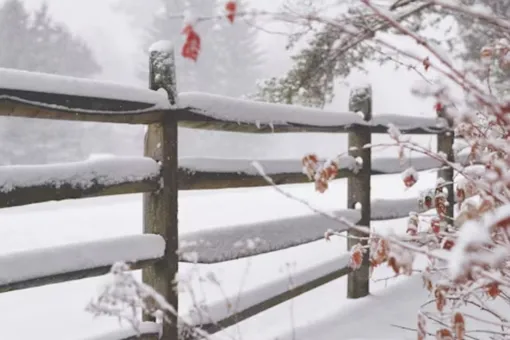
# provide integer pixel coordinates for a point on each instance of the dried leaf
(447, 244)
(412, 224)
(440, 203)
(392, 262)
(356, 256)
(459, 326)
(435, 225)
(422, 327)
(440, 298)
(426, 63)
(444, 334)
(310, 163)
(410, 177)
(493, 290)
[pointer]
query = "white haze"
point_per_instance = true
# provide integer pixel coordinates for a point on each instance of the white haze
(116, 47)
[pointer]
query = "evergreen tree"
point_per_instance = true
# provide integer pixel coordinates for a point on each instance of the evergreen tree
(14, 36)
(239, 55)
(208, 71)
(332, 54)
(39, 44)
(229, 61)
(474, 35)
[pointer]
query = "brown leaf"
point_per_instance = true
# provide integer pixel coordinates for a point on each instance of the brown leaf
(459, 326)
(444, 334)
(356, 256)
(422, 327)
(440, 299)
(493, 289)
(392, 262)
(426, 63)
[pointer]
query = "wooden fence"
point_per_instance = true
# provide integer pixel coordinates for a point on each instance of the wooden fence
(159, 175)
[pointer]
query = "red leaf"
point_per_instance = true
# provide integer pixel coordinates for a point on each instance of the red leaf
(447, 244)
(435, 224)
(191, 47)
(231, 8)
(409, 177)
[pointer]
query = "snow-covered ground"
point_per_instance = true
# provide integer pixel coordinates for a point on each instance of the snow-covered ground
(57, 311)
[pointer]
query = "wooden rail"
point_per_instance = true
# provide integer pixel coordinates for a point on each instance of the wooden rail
(161, 173)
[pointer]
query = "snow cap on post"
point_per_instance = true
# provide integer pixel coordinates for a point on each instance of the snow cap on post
(162, 46)
(360, 100)
(162, 69)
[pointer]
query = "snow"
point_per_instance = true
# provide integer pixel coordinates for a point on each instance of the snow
(49, 83)
(97, 170)
(218, 147)
(239, 110)
(385, 209)
(215, 312)
(143, 328)
(240, 165)
(232, 242)
(388, 165)
(225, 243)
(37, 263)
(372, 317)
(473, 237)
(165, 46)
(52, 224)
(110, 170)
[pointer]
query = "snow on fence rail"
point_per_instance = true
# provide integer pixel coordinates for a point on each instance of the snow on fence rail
(40, 267)
(160, 174)
(219, 314)
(238, 241)
(26, 184)
(217, 173)
(203, 110)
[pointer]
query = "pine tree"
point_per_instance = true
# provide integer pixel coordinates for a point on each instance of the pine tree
(239, 55)
(474, 35)
(14, 36)
(63, 53)
(207, 71)
(330, 54)
(39, 44)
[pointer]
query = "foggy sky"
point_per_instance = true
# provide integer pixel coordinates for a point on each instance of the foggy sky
(115, 46)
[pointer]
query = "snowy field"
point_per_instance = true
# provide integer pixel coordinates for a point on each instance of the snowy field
(57, 311)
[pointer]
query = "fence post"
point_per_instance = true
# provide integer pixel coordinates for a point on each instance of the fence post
(160, 208)
(445, 142)
(358, 187)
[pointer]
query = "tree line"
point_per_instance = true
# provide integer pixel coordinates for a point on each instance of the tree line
(34, 41)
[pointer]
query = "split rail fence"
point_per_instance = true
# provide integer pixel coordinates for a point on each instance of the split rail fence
(160, 174)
